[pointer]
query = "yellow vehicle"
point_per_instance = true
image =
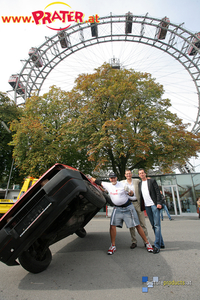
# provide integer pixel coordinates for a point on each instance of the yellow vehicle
(6, 204)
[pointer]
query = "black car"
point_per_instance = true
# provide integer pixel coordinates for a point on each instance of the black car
(59, 204)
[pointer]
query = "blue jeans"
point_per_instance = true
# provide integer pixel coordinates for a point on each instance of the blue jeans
(154, 217)
(166, 209)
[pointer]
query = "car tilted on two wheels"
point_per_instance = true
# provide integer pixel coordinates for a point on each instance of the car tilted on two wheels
(59, 204)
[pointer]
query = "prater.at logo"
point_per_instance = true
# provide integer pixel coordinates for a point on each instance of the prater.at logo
(59, 16)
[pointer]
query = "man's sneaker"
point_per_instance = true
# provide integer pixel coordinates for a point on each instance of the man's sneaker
(133, 246)
(149, 247)
(156, 250)
(111, 250)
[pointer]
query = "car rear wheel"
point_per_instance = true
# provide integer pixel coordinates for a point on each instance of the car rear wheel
(34, 262)
(81, 232)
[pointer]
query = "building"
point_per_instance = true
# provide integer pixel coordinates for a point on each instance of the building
(181, 192)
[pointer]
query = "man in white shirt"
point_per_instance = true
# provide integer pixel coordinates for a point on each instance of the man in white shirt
(150, 199)
(123, 210)
(132, 184)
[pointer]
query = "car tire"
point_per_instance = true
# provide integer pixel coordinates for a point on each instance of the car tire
(81, 232)
(32, 263)
(94, 195)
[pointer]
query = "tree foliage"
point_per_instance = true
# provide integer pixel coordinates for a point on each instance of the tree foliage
(8, 112)
(111, 119)
(123, 122)
(38, 141)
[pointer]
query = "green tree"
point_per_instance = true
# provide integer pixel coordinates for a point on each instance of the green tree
(8, 112)
(111, 120)
(122, 121)
(38, 141)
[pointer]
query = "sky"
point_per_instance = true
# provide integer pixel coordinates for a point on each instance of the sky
(17, 39)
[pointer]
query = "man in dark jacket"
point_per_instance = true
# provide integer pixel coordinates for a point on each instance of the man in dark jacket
(150, 199)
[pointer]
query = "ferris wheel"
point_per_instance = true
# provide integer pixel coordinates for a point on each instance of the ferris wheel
(128, 40)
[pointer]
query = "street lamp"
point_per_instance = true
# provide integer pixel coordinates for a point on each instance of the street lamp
(6, 127)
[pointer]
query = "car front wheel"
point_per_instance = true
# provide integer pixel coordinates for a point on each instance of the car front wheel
(35, 262)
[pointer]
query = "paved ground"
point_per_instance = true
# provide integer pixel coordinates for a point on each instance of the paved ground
(82, 270)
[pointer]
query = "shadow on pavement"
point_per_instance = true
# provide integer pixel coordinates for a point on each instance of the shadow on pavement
(83, 264)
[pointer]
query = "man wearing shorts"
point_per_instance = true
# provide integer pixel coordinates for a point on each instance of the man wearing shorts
(123, 210)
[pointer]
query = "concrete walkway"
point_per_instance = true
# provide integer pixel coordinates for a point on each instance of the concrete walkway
(82, 270)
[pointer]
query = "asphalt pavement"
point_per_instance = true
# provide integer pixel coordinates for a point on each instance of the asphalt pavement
(82, 270)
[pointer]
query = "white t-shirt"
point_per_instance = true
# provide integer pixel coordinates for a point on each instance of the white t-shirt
(130, 187)
(145, 193)
(117, 193)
